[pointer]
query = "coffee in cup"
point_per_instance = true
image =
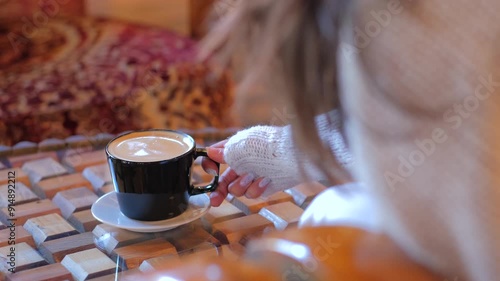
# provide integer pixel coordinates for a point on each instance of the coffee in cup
(151, 173)
(148, 147)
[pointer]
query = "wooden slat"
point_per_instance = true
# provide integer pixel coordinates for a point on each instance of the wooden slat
(253, 206)
(101, 139)
(109, 238)
(19, 174)
(48, 227)
(55, 250)
(232, 231)
(158, 263)
(188, 238)
(19, 234)
(303, 194)
(18, 161)
(51, 272)
(105, 189)
(283, 215)
(24, 147)
(29, 210)
(76, 149)
(224, 212)
(88, 264)
(78, 162)
(202, 250)
(22, 194)
(83, 221)
(74, 200)
(45, 168)
(121, 276)
(25, 258)
(41, 169)
(79, 143)
(52, 144)
(48, 188)
(98, 176)
(135, 254)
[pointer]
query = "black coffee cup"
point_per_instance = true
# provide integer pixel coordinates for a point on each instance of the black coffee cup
(151, 173)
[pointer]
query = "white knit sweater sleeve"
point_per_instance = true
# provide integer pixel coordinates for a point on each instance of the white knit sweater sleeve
(269, 152)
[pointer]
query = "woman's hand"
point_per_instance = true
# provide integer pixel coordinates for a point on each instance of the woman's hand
(230, 182)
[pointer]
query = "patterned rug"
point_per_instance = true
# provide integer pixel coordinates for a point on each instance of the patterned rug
(87, 76)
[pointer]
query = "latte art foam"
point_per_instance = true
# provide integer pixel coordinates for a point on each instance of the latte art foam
(148, 148)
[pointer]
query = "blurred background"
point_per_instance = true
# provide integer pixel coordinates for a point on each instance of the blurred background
(87, 67)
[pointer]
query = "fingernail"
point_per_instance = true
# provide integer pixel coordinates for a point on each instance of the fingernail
(265, 182)
(214, 194)
(210, 150)
(246, 180)
(212, 172)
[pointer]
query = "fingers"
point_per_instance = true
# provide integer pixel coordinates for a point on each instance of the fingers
(239, 187)
(257, 188)
(220, 144)
(209, 166)
(230, 182)
(215, 153)
(250, 187)
(216, 199)
(225, 180)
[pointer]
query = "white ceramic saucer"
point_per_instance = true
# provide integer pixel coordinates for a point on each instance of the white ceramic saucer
(106, 210)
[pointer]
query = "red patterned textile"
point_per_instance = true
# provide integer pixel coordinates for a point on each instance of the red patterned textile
(87, 76)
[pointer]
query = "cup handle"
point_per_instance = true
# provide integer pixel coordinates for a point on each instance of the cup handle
(195, 190)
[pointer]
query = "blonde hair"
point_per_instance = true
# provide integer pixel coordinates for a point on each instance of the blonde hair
(293, 42)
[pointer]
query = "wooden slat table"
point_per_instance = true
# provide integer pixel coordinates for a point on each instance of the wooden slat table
(58, 237)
